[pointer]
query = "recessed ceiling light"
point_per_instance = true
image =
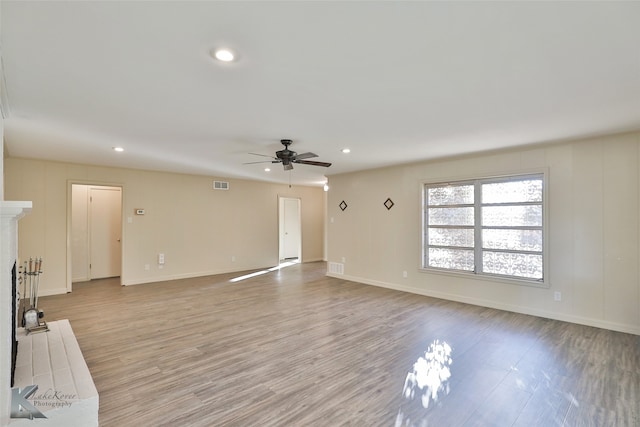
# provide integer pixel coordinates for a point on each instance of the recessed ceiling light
(224, 55)
(346, 150)
(118, 149)
(267, 170)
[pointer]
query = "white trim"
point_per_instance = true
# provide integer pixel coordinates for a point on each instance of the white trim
(485, 277)
(201, 274)
(49, 292)
(188, 276)
(587, 321)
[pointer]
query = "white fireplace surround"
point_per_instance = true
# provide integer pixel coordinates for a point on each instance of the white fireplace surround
(10, 213)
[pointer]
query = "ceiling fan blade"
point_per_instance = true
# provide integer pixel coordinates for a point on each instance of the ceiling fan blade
(305, 156)
(311, 162)
(262, 155)
(266, 161)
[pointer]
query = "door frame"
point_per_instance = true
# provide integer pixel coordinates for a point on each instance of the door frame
(281, 200)
(70, 184)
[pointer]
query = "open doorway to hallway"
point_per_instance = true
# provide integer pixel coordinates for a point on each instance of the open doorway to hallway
(290, 234)
(95, 232)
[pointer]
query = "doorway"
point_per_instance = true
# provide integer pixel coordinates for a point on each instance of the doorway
(96, 232)
(290, 235)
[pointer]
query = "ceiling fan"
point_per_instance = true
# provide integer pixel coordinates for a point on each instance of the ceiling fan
(288, 157)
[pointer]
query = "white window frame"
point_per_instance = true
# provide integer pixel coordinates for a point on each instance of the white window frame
(477, 227)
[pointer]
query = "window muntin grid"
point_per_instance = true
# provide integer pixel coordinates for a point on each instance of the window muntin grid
(491, 226)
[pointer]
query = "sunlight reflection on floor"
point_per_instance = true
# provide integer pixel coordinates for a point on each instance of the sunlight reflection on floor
(261, 272)
(428, 379)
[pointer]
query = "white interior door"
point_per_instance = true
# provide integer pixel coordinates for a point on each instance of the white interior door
(105, 228)
(290, 235)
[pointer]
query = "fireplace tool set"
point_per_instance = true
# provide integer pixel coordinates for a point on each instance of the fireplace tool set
(31, 316)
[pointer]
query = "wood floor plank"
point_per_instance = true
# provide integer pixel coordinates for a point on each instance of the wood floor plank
(547, 407)
(294, 347)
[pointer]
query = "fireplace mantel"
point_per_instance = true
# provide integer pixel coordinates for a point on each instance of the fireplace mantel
(14, 209)
(10, 213)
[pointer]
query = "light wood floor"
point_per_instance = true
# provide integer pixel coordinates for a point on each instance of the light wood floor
(296, 348)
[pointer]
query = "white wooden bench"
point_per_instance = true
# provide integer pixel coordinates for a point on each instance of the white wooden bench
(53, 361)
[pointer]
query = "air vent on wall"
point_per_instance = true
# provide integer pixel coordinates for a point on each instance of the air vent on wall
(336, 268)
(220, 185)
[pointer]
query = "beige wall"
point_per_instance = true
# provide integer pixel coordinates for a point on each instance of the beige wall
(594, 215)
(197, 228)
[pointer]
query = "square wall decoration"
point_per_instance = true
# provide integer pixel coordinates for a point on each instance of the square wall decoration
(388, 203)
(343, 205)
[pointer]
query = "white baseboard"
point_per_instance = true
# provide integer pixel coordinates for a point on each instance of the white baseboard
(47, 292)
(199, 274)
(171, 277)
(598, 323)
(187, 276)
(305, 260)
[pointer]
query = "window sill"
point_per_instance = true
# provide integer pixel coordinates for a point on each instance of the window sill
(487, 277)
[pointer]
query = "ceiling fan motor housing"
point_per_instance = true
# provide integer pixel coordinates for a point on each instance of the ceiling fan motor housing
(286, 155)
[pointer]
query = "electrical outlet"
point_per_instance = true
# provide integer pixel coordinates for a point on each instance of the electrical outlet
(161, 259)
(146, 267)
(404, 274)
(344, 260)
(233, 259)
(557, 296)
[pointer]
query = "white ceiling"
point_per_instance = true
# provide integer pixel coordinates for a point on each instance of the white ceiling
(396, 82)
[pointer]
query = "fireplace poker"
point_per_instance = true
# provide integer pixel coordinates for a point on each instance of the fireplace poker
(23, 296)
(37, 273)
(31, 282)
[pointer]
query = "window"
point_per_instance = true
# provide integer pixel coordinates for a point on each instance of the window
(488, 226)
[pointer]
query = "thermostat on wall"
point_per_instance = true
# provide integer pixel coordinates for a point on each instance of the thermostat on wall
(139, 211)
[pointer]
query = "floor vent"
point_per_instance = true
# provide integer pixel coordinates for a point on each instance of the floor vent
(336, 268)
(220, 185)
